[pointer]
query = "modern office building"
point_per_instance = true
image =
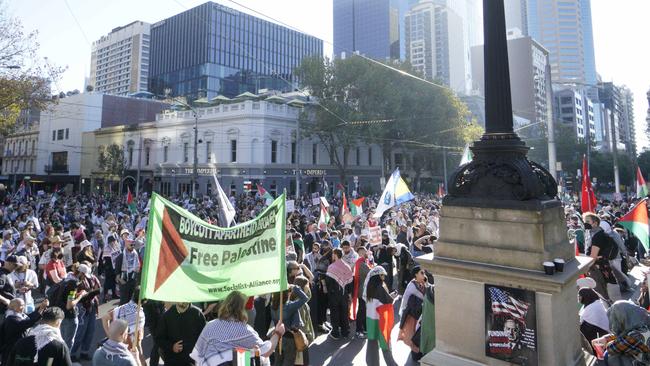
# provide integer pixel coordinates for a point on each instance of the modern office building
(565, 29)
(435, 44)
(529, 77)
(119, 61)
(574, 110)
(374, 28)
(627, 117)
(212, 49)
(619, 127)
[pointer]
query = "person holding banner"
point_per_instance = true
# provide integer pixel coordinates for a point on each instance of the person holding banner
(294, 340)
(219, 339)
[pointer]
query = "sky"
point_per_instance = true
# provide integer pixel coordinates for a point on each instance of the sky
(68, 27)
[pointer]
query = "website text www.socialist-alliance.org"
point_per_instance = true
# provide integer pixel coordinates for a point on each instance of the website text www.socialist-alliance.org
(243, 286)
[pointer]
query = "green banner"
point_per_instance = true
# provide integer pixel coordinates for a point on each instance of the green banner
(189, 260)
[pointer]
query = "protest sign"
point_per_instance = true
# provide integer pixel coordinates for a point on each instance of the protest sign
(511, 325)
(315, 198)
(374, 235)
(187, 259)
(290, 205)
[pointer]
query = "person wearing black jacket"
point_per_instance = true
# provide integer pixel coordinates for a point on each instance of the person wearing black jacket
(339, 282)
(178, 332)
(153, 311)
(601, 249)
(16, 325)
(43, 341)
(7, 289)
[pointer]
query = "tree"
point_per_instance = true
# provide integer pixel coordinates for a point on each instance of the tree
(24, 78)
(644, 163)
(111, 161)
(361, 101)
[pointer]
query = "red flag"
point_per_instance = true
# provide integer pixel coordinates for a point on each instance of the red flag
(345, 209)
(129, 196)
(588, 197)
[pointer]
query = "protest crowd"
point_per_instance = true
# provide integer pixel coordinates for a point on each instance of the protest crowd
(350, 267)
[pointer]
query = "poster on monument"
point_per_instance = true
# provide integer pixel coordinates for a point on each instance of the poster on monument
(510, 325)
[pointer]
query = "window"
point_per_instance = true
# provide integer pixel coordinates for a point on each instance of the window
(130, 151)
(358, 156)
(67, 133)
(314, 154)
(293, 152)
(20, 147)
(31, 165)
(274, 151)
(54, 135)
(147, 155)
(370, 156)
(33, 146)
(233, 151)
(186, 152)
(60, 159)
(208, 151)
(59, 135)
(165, 153)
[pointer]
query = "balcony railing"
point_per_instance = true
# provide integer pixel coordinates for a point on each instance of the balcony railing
(56, 169)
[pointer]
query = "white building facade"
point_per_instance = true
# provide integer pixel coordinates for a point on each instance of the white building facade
(119, 61)
(245, 142)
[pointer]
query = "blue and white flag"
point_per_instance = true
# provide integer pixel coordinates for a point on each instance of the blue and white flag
(395, 193)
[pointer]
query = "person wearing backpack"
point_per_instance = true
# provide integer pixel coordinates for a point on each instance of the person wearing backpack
(66, 297)
(602, 248)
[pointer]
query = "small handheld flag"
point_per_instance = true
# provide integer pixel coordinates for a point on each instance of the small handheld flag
(641, 187)
(395, 193)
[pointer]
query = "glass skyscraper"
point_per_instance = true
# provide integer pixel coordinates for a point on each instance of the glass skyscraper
(375, 28)
(212, 49)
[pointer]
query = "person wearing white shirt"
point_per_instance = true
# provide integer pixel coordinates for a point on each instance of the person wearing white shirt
(24, 280)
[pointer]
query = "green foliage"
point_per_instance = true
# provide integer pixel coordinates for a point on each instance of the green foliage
(643, 160)
(363, 102)
(111, 160)
(24, 79)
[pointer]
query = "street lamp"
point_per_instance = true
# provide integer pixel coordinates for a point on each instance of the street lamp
(195, 173)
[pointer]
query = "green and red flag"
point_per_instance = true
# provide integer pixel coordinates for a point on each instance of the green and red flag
(129, 201)
(356, 208)
(187, 259)
(637, 222)
(263, 193)
(379, 322)
(641, 187)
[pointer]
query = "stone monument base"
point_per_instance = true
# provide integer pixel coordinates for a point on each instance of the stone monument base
(460, 311)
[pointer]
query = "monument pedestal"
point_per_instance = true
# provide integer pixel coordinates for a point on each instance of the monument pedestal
(503, 247)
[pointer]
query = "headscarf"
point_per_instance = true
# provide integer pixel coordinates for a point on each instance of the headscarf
(44, 334)
(340, 272)
(376, 271)
(625, 316)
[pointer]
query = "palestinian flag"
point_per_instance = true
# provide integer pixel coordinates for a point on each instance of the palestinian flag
(129, 201)
(263, 193)
(641, 187)
(354, 306)
(356, 208)
(243, 357)
(637, 222)
(379, 322)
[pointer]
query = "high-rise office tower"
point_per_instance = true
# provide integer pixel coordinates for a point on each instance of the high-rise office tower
(374, 28)
(119, 61)
(565, 29)
(435, 44)
(212, 49)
